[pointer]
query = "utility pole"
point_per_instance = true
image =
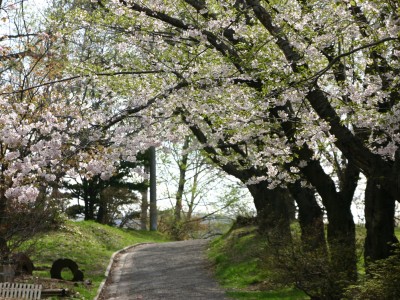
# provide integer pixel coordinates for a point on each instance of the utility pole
(153, 180)
(145, 201)
(153, 190)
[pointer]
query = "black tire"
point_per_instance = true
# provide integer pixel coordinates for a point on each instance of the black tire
(62, 263)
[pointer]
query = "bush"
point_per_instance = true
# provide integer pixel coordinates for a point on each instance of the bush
(382, 280)
(74, 211)
(25, 220)
(308, 269)
(182, 230)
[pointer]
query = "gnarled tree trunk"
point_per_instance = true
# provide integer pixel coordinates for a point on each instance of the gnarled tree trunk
(311, 217)
(273, 212)
(341, 227)
(379, 217)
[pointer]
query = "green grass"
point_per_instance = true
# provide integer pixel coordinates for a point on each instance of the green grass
(397, 232)
(239, 267)
(90, 245)
(281, 294)
(236, 255)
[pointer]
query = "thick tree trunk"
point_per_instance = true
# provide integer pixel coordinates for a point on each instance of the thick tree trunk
(100, 216)
(89, 200)
(341, 227)
(272, 212)
(90, 215)
(102, 213)
(379, 216)
(3, 214)
(3, 207)
(342, 241)
(86, 207)
(311, 217)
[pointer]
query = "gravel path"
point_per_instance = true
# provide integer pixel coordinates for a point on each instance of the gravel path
(168, 271)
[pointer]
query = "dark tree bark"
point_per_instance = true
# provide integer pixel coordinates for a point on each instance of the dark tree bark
(379, 217)
(144, 209)
(341, 227)
(86, 207)
(89, 198)
(311, 217)
(3, 198)
(342, 239)
(273, 208)
(351, 146)
(182, 164)
(102, 212)
(4, 251)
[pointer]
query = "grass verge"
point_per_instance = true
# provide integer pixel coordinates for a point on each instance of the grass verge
(239, 267)
(90, 245)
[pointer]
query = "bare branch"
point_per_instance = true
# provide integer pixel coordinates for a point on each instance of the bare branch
(337, 58)
(83, 76)
(130, 111)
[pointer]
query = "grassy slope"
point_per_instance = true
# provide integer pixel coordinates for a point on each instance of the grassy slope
(239, 268)
(90, 245)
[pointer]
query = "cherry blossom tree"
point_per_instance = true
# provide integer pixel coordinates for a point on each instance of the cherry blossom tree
(264, 86)
(48, 129)
(32, 131)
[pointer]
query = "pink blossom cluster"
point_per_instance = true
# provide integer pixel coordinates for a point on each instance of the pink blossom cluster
(156, 70)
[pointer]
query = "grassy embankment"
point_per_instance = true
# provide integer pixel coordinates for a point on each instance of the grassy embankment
(239, 266)
(90, 245)
(238, 257)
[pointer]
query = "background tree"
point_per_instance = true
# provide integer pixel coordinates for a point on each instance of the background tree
(189, 182)
(103, 199)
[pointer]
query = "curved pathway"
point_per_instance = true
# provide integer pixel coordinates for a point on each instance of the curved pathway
(175, 270)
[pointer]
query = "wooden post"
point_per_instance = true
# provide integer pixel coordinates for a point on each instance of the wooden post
(6, 272)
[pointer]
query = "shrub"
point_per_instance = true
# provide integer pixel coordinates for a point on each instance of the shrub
(308, 269)
(25, 220)
(382, 280)
(182, 230)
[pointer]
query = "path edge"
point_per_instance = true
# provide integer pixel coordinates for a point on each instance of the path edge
(111, 262)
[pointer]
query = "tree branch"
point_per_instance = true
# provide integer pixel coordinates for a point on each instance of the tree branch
(83, 76)
(337, 58)
(130, 111)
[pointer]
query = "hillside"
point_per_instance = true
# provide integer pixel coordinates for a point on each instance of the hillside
(90, 245)
(239, 262)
